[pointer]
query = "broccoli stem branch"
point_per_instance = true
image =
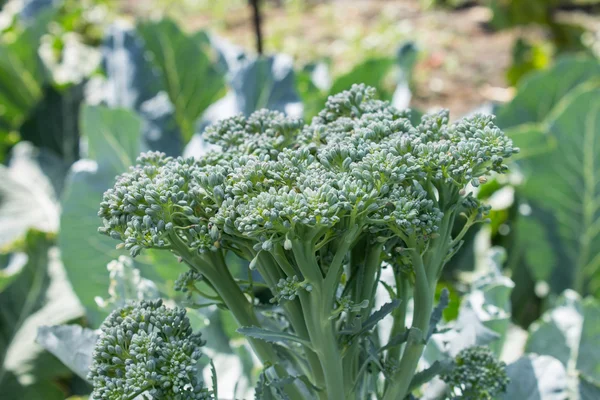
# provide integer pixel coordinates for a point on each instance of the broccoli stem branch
(213, 267)
(427, 271)
(423, 298)
(399, 324)
(317, 308)
(270, 271)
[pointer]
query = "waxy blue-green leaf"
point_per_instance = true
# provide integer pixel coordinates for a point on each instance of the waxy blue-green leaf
(263, 82)
(113, 137)
(190, 76)
(114, 141)
(535, 377)
(132, 82)
(569, 332)
(540, 93)
(53, 124)
(266, 82)
(28, 198)
(562, 181)
(71, 344)
(38, 294)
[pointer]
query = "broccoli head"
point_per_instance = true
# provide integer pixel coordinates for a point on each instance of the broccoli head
(147, 348)
(360, 162)
(477, 375)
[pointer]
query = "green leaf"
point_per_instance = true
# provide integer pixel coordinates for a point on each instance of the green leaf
(190, 77)
(312, 84)
(132, 82)
(536, 377)
(357, 327)
(71, 344)
(11, 266)
(85, 252)
(213, 375)
(569, 332)
(27, 196)
(113, 137)
(531, 140)
(39, 294)
(436, 314)
(378, 315)
(537, 249)
(267, 82)
(588, 390)
(271, 336)
(53, 123)
(396, 340)
(539, 93)
(21, 76)
(588, 356)
(372, 72)
(562, 182)
(438, 367)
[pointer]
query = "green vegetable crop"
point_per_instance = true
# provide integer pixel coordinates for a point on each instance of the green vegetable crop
(318, 211)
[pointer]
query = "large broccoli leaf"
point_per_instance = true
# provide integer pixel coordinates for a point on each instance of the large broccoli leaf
(562, 181)
(38, 294)
(132, 82)
(113, 137)
(71, 344)
(114, 141)
(53, 123)
(28, 197)
(534, 377)
(263, 82)
(190, 77)
(539, 93)
(569, 332)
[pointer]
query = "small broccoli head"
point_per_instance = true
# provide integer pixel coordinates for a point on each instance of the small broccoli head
(147, 348)
(477, 375)
(186, 282)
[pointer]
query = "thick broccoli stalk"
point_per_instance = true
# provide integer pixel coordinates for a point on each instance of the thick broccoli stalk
(147, 348)
(319, 210)
(476, 375)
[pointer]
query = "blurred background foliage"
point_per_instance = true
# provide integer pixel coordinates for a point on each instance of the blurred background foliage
(85, 85)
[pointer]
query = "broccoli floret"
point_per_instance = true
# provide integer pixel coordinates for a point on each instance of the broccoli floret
(147, 348)
(477, 375)
(288, 289)
(187, 280)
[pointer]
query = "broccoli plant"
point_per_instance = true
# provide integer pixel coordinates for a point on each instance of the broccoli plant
(318, 211)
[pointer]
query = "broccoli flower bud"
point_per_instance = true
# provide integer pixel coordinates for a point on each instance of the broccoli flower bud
(186, 281)
(147, 348)
(289, 288)
(477, 375)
